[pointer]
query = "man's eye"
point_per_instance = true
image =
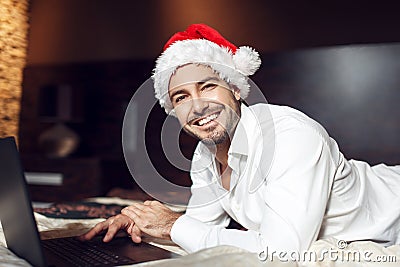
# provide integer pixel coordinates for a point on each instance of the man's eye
(208, 86)
(179, 98)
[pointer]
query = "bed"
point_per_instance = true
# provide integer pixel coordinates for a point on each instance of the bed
(322, 252)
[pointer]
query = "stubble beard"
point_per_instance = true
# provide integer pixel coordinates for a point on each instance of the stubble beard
(219, 134)
(215, 137)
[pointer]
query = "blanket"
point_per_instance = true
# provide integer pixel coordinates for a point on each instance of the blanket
(329, 252)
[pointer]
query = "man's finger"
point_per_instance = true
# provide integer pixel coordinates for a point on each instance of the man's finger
(112, 231)
(96, 230)
(136, 234)
(151, 202)
(138, 206)
(147, 202)
(133, 211)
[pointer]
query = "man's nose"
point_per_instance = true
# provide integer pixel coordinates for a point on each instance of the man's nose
(199, 105)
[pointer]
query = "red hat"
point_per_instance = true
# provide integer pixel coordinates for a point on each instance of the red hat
(200, 31)
(204, 45)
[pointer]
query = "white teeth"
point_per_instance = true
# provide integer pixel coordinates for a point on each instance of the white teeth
(208, 119)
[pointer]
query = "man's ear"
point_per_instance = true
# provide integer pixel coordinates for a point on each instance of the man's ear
(236, 92)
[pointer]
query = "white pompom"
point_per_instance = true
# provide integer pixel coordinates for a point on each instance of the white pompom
(246, 60)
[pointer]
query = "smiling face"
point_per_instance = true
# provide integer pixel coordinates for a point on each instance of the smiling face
(205, 105)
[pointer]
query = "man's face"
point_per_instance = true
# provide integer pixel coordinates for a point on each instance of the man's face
(204, 104)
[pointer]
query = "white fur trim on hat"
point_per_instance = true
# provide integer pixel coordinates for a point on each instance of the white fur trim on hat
(232, 68)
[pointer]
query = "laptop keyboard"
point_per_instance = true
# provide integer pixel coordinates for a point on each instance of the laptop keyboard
(84, 253)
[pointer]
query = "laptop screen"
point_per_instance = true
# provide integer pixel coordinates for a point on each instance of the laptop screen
(16, 213)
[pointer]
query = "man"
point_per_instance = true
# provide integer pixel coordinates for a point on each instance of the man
(271, 168)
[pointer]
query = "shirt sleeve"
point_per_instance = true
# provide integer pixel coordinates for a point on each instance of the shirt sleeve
(298, 191)
(295, 197)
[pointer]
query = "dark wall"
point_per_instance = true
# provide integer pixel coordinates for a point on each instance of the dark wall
(353, 91)
(68, 31)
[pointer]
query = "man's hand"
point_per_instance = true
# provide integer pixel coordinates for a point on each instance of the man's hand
(111, 226)
(152, 218)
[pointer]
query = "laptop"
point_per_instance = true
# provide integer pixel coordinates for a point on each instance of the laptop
(22, 235)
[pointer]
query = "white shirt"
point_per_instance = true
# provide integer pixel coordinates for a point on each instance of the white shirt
(290, 185)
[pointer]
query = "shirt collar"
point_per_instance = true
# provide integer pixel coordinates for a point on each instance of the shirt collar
(240, 141)
(241, 137)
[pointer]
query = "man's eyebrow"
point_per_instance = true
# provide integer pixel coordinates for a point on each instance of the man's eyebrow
(176, 92)
(211, 78)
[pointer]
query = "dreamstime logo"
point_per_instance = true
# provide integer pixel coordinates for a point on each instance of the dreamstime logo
(135, 130)
(341, 244)
(339, 254)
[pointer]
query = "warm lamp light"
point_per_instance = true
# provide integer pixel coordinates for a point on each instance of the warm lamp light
(13, 44)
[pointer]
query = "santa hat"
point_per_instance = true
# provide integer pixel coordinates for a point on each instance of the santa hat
(203, 45)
